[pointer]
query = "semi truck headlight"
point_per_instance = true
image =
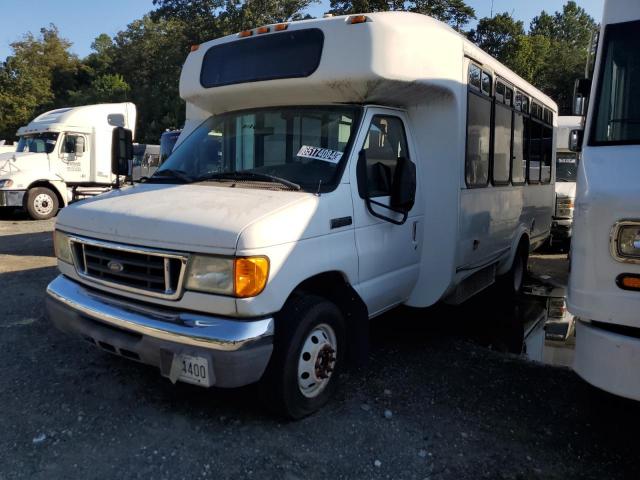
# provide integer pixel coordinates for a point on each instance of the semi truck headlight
(6, 183)
(62, 247)
(241, 277)
(626, 241)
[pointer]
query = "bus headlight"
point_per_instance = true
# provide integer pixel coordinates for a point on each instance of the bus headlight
(626, 241)
(242, 277)
(62, 247)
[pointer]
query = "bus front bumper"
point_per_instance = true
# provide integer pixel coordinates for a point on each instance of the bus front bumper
(608, 360)
(236, 352)
(11, 198)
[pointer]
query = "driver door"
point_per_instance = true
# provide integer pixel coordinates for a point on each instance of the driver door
(74, 165)
(388, 252)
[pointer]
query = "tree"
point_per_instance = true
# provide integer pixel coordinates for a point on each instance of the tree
(498, 36)
(454, 12)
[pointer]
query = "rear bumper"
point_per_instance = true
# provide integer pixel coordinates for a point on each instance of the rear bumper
(11, 198)
(237, 351)
(608, 360)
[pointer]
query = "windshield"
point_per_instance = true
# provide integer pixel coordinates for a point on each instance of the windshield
(617, 114)
(38, 142)
(167, 142)
(300, 145)
(566, 167)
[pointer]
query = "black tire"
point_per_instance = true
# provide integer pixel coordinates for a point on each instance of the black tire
(41, 203)
(511, 282)
(280, 386)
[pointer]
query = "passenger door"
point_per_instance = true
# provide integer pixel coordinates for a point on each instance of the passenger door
(75, 158)
(388, 243)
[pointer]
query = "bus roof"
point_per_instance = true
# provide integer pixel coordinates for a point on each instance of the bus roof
(394, 58)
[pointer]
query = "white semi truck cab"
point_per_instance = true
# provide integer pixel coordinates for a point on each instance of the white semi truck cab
(60, 152)
(328, 171)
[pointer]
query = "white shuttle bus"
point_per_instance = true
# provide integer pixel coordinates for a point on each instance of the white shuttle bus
(604, 284)
(329, 170)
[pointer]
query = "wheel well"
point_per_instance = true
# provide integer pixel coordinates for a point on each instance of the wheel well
(334, 287)
(47, 184)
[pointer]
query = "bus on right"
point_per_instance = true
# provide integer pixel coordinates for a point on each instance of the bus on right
(604, 283)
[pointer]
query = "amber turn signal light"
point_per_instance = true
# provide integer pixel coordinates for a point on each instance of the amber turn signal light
(251, 274)
(194, 47)
(245, 33)
(262, 30)
(281, 26)
(628, 281)
(357, 19)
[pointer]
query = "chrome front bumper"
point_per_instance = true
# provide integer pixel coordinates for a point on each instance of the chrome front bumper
(237, 350)
(11, 198)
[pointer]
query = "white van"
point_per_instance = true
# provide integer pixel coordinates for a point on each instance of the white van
(604, 283)
(59, 152)
(329, 170)
(566, 172)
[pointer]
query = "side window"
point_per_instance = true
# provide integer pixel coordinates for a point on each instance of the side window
(502, 145)
(478, 140)
(547, 152)
(474, 76)
(520, 154)
(386, 142)
(154, 160)
(486, 83)
(71, 143)
(535, 149)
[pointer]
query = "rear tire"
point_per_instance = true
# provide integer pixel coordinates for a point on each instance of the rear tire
(511, 283)
(41, 203)
(308, 355)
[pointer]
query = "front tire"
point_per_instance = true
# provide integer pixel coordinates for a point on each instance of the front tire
(41, 203)
(511, 283)
(308, 355)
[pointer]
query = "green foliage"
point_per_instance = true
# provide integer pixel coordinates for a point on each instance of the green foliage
(142, 63)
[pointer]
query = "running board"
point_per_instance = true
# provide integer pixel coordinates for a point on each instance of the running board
(473, 284)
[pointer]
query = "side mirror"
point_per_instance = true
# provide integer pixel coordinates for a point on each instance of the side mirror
(79, 147)
(403, 188)
(581, 90)
(575, 140)
(121, 151)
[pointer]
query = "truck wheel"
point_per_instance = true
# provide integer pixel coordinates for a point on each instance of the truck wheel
(41, 203)
(308, 354)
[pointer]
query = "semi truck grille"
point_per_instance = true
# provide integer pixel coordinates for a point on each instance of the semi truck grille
(139, 270)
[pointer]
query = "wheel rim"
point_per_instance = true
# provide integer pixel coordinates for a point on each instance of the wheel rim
(518, 273)
(43, 204)
(317, 360)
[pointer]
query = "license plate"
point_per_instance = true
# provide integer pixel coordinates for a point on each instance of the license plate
(192, 370)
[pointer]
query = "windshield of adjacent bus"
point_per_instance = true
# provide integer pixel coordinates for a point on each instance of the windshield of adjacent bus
(566, 166)
(38, 142)
(301, 147)
(617, 112)
(167, 142)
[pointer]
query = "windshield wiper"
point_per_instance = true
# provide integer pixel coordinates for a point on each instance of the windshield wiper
(171, 173)
(260, 177)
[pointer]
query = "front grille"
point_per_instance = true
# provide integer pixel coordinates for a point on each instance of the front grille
(145, 271)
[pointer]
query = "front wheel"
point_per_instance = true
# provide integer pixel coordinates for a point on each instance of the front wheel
(41, 203)
(309, 351)
(511, 283)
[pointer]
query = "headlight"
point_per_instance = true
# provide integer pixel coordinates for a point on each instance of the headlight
(626, 241)
(6, 183)
(62, 247)
(241, 277)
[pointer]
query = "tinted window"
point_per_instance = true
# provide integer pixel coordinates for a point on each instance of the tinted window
(474, 76)
(478, 140)
(519, 158)
(289, 54)
(486, 83)
(617, 113)
(535, 142)
(385, 144)
(502, 145)
(547, 153)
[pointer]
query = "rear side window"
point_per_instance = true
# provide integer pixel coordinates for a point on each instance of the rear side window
(478, 140)
(290, 54)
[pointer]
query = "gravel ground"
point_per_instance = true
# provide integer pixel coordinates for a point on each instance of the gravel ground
(432, 403)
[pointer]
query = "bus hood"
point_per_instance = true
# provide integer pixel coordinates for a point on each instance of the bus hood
(202, 217)
(12, 163)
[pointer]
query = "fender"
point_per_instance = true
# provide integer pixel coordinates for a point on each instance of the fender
(59, 188)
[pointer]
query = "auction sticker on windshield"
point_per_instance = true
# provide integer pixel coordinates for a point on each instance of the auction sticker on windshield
(317, 153)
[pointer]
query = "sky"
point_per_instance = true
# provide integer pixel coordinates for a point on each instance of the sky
(80, 21)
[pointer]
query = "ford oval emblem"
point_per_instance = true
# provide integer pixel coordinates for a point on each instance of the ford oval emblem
(115, 267)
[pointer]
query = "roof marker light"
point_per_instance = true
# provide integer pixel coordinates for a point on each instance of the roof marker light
(263, 30)
(194, 47)
(245, 33)
(281, 26)
(353, 19)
